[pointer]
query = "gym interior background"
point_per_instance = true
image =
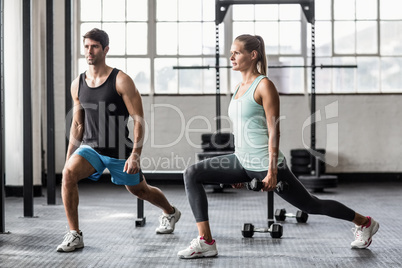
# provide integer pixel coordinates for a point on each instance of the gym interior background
(357, 108)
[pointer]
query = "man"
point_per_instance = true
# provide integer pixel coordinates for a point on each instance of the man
(104, 98)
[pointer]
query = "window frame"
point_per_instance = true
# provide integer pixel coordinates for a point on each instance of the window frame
(227, 38)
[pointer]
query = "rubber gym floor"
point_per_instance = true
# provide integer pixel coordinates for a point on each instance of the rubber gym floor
(108, 213)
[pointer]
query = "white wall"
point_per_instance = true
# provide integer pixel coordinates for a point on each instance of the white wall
(13, 92)
(59, 84)
(369, 130)
(360, 132)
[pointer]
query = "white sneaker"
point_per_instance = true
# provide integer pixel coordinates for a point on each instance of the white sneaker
(72, 241)
(364, 234)
(199, 248)
(167, 222)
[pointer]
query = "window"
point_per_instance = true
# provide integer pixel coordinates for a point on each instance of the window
(184, 34)
(362, 33)
(149, 37)
(126, 23)
(390, 47)
(281, 28)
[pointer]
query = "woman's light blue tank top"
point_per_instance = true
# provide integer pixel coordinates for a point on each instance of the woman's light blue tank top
(250, 130)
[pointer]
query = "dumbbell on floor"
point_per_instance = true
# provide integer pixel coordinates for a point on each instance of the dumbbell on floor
(281, 215)
(276, 230)
(256, 185)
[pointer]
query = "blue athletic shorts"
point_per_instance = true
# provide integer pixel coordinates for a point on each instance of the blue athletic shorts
(115, 167)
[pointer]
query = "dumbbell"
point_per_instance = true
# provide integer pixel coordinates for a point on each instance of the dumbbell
(276, 230)
(301, 216)
(256, 185)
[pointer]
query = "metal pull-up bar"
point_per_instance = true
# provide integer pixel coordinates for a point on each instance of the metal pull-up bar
(223, 5)
(308, 8)
(221, 8)
(322, 66)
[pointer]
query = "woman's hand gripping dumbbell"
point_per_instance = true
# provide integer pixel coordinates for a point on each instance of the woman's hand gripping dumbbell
(256, 185)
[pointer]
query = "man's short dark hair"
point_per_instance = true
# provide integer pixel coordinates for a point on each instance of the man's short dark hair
(98, 35)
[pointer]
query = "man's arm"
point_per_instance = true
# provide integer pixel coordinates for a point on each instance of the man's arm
(126, 88)
(77, 124)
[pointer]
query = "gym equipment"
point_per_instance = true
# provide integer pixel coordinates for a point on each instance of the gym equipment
(281, 215)
(216, 144)
(256, 185)
(51, 150)
(307, 6)
(221, 7)
(27, 110)
(270, 209)
(318, 182)
(309, 169)
(301, 163)
(141, 220)
(276, 230)
(207, 67)
(315, 181)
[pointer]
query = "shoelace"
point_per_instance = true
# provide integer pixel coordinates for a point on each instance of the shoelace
(195, 243)
(357, 232)
(165, 220)
(69, 237)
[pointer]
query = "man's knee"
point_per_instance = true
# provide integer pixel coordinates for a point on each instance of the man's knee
(70, 177)
(76, 169)
(67, 174)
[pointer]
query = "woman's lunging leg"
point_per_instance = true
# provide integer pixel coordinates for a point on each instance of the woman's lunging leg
(223, 169)
(298, 196)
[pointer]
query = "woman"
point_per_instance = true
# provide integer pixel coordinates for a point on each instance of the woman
(254, 111)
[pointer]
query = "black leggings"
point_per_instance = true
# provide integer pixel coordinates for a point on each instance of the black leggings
(227, 169)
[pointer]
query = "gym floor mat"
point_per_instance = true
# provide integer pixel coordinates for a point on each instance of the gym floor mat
(108, 213)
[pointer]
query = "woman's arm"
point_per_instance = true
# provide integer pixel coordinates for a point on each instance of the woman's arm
(267, 95)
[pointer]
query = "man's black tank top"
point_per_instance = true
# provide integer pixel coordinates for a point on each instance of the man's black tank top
(106, 118)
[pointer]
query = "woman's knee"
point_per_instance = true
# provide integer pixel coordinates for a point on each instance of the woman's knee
(190, 174)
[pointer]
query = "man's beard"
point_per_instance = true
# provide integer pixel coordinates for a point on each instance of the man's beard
(91, 61)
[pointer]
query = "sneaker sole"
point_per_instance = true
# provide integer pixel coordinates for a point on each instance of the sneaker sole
(72, 249)
(375, 229)
(200, 255)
